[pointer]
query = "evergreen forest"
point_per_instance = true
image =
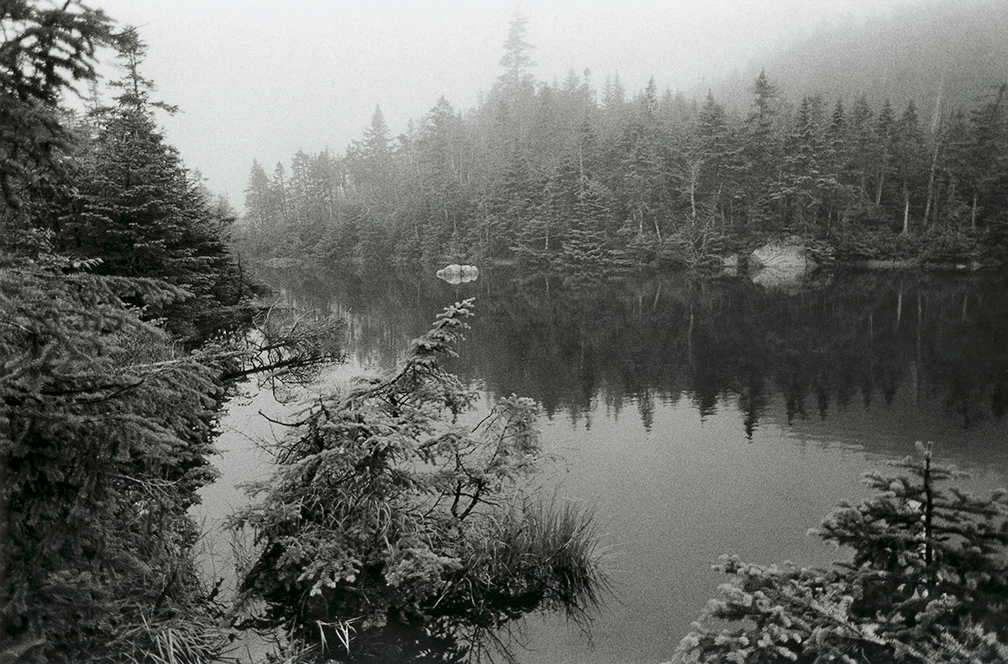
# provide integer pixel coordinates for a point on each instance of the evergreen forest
(123, 321)
(401, 520)
(568, 178)
(127, 322)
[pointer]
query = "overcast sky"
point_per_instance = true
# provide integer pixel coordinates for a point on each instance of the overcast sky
(262, 78)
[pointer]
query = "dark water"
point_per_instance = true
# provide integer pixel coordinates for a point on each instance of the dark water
(701, 417)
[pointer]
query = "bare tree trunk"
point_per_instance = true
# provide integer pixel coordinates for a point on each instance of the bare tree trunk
(694, 176)
(931, 179)
(973, 212)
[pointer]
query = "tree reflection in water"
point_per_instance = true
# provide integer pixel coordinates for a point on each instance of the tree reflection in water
(872, 359)
(845, 338)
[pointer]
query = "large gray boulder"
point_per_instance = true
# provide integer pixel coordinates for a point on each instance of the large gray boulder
(780, 264)
(458, 274)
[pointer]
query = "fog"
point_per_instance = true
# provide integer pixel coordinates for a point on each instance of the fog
(260, 79)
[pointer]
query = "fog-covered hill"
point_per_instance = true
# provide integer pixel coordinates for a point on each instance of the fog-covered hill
(912, 53)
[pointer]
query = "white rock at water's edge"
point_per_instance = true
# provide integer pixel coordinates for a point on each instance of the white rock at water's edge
(458, 274)
(783, 257)
(780, 265)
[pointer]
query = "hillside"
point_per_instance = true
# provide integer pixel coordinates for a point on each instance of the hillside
(910, 54)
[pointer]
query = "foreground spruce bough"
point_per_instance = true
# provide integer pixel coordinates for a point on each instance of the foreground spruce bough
(125, 323)
(928, 582)
(391, 531)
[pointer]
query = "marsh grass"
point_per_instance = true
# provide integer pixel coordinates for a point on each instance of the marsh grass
(182, 639)
(540, 555)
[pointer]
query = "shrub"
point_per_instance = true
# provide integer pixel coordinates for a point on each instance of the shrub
(390, 527)
(928, 582)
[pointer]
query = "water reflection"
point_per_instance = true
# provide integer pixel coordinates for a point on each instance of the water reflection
(858, 340)
(710, 417)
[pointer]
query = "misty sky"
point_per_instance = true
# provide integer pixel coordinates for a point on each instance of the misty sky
(262, 78)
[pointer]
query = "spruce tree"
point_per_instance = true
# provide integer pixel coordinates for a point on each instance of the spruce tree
(141, 213)
(802, 167)
(718, 159)
(855, 157)
(882, 152)
(761, 149)
(45, 52)
(516, 61)
(585, 255)
(106, 419)
(928, 582)
(909, 161)
(986, 173)
(917, 543)
(258, 212)
(105, 432)
(389, 522)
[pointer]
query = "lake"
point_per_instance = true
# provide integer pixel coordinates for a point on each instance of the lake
(696, 417)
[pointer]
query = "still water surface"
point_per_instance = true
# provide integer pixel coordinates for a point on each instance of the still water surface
(696, 417)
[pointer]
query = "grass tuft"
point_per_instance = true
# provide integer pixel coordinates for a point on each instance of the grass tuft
(540, 555)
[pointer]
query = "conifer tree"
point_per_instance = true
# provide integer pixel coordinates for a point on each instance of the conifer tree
(280, 193)
(802, 164)
(882, 153)
(46, 51)
(855, 157)
(642, 168)
(613, 94)
(400, 522)
(105, 433)
(513, 202)
(928, 582)
(586, 253)
(444, 204)
(258, 211)
(761, 149)
(370, 162)
(986, 163)
(300, 188)
(516, 61)
(106, 419)
(909, 161)
(717, 157)
(142, 214)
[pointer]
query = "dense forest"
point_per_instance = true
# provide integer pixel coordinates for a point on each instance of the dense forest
(566, 177)
(392, 524)
(123, 320)
(126, 322)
